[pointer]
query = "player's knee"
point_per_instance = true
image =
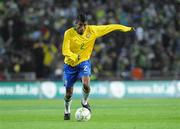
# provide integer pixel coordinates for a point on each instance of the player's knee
(86, 88)
(86, 81)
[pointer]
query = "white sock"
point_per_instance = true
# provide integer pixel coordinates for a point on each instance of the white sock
(85, 98)
(67, 106)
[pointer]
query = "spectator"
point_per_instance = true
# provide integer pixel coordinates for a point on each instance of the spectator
(38, 27)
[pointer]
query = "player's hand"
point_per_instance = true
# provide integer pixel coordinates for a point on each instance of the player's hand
(70, 61)
(132, 29)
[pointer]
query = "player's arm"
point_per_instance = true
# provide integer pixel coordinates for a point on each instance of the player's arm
(101, 30)
(66, 48)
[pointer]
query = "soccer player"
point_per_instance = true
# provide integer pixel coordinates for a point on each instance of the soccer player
(77, 48)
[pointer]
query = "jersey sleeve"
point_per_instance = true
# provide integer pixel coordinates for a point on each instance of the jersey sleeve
(101, 30)
(66, 48)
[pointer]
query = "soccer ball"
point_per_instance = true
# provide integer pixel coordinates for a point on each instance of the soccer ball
(82, 114)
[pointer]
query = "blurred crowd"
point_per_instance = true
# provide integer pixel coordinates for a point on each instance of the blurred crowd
(31, 36)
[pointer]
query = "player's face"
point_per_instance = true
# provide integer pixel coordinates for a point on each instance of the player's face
(80, 27)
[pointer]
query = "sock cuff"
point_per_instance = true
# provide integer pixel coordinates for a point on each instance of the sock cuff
(67, 99)
(86, 90)
(83, 89)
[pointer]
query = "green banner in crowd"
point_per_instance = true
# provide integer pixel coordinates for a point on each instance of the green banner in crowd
(99, 89)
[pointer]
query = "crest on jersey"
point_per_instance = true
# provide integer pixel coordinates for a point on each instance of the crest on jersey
(88, 35)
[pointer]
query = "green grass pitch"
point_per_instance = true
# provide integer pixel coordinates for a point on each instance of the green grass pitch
(107, 114)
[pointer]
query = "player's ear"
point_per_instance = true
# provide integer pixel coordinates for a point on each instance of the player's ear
(75, 22)
(85, 23)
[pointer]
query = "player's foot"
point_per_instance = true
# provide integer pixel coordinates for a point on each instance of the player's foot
(86, 106)
(67, 116)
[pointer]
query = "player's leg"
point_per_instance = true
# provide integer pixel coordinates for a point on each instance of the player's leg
(67, 103)
(86, 91)
(85, 73)
(70, 77)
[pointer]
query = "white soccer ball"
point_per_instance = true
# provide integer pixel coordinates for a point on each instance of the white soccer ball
(82, 114)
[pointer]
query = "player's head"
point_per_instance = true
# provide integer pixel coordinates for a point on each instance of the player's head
(81, 22)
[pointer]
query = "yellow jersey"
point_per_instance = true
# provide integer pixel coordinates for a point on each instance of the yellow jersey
(78, 48)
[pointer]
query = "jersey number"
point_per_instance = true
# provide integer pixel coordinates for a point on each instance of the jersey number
(85, 68)
(82, 46)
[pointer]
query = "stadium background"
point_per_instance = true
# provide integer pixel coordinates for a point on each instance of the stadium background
(32, 33)
(140, 64)
(31, 36)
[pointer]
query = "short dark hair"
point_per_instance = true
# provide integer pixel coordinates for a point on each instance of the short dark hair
(82, 17)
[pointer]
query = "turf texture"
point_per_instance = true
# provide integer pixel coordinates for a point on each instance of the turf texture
(106, 114)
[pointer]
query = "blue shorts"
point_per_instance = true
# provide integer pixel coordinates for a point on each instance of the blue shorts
(72, 74)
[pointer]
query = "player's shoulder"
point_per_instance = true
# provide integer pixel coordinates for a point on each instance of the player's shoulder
(69, 31)
(91, 27)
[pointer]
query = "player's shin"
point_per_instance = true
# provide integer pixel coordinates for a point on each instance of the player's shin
(85, 94)
(67, 105)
